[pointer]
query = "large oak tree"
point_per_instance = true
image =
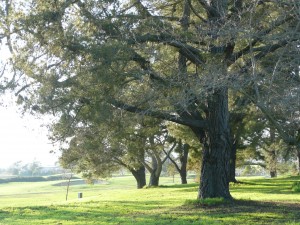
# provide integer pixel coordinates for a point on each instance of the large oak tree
(172, 60)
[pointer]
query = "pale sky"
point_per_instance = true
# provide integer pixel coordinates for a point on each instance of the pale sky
(22, 138)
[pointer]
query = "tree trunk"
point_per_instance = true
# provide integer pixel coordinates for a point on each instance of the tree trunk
(184, 152)
(183, 177)
(272, 159)
(232, 162)
(183, 161)
(272, 163)
(214, 180)
(154, 180)
(155, 172)
(140, 176)
(298, 156)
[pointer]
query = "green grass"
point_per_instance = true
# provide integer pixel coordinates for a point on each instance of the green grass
(206, 202)
(257, 201)
(296, 186)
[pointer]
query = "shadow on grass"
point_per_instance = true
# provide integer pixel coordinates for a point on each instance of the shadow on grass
(271, 181)
(179, 185)
(154, 212)
(112, 212)
(266, 186)
(248, 212)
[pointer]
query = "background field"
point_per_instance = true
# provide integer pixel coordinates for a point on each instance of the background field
(117, 201)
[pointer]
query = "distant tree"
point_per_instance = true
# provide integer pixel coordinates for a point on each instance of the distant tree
(171, 170)
(33, 168)
(16, 168)
(188, 151)
(98, 150)
(68, 174)
(182, 150)
(157, 148)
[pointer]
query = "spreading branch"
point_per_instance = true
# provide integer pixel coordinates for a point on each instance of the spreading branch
(191, 53)
(160, 115)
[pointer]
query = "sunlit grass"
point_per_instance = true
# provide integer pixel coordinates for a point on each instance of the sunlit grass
(259, 201)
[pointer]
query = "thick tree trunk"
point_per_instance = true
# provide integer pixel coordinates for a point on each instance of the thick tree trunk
(214, 180)
(232, 162)
(154, 180)
(183, 177)
(140, 176)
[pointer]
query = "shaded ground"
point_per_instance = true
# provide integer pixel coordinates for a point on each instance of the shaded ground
(249, 212)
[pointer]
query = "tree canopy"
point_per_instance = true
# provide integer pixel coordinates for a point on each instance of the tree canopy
(176, 61)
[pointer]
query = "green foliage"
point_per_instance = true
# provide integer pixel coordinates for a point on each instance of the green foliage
(89, 62)
(296, 186)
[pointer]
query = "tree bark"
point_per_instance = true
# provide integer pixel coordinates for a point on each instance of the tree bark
(140, 176)
(232, 162)
(183, 160)
(298, 156)
(155, 172)
(272, 163)
(214, 180)
(154, 180)
(272, 158)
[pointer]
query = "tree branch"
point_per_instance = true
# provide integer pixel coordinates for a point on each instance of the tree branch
(191, 53)
(211, 11)
(160, 115)
(169, 152)
(195, 13)
(175, 164)
(258, 37)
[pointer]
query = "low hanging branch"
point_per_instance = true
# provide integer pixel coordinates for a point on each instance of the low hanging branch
(160, 115)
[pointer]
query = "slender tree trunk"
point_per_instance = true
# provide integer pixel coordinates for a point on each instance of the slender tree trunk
(182, 170)
(154, 173)
(272, 163)
(214, 180)
(272, 158)
(298, 156)
(183, 160)
(140, 176)
(232, 162)
(68, 186)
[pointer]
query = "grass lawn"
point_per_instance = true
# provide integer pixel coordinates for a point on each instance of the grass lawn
(258, 201)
